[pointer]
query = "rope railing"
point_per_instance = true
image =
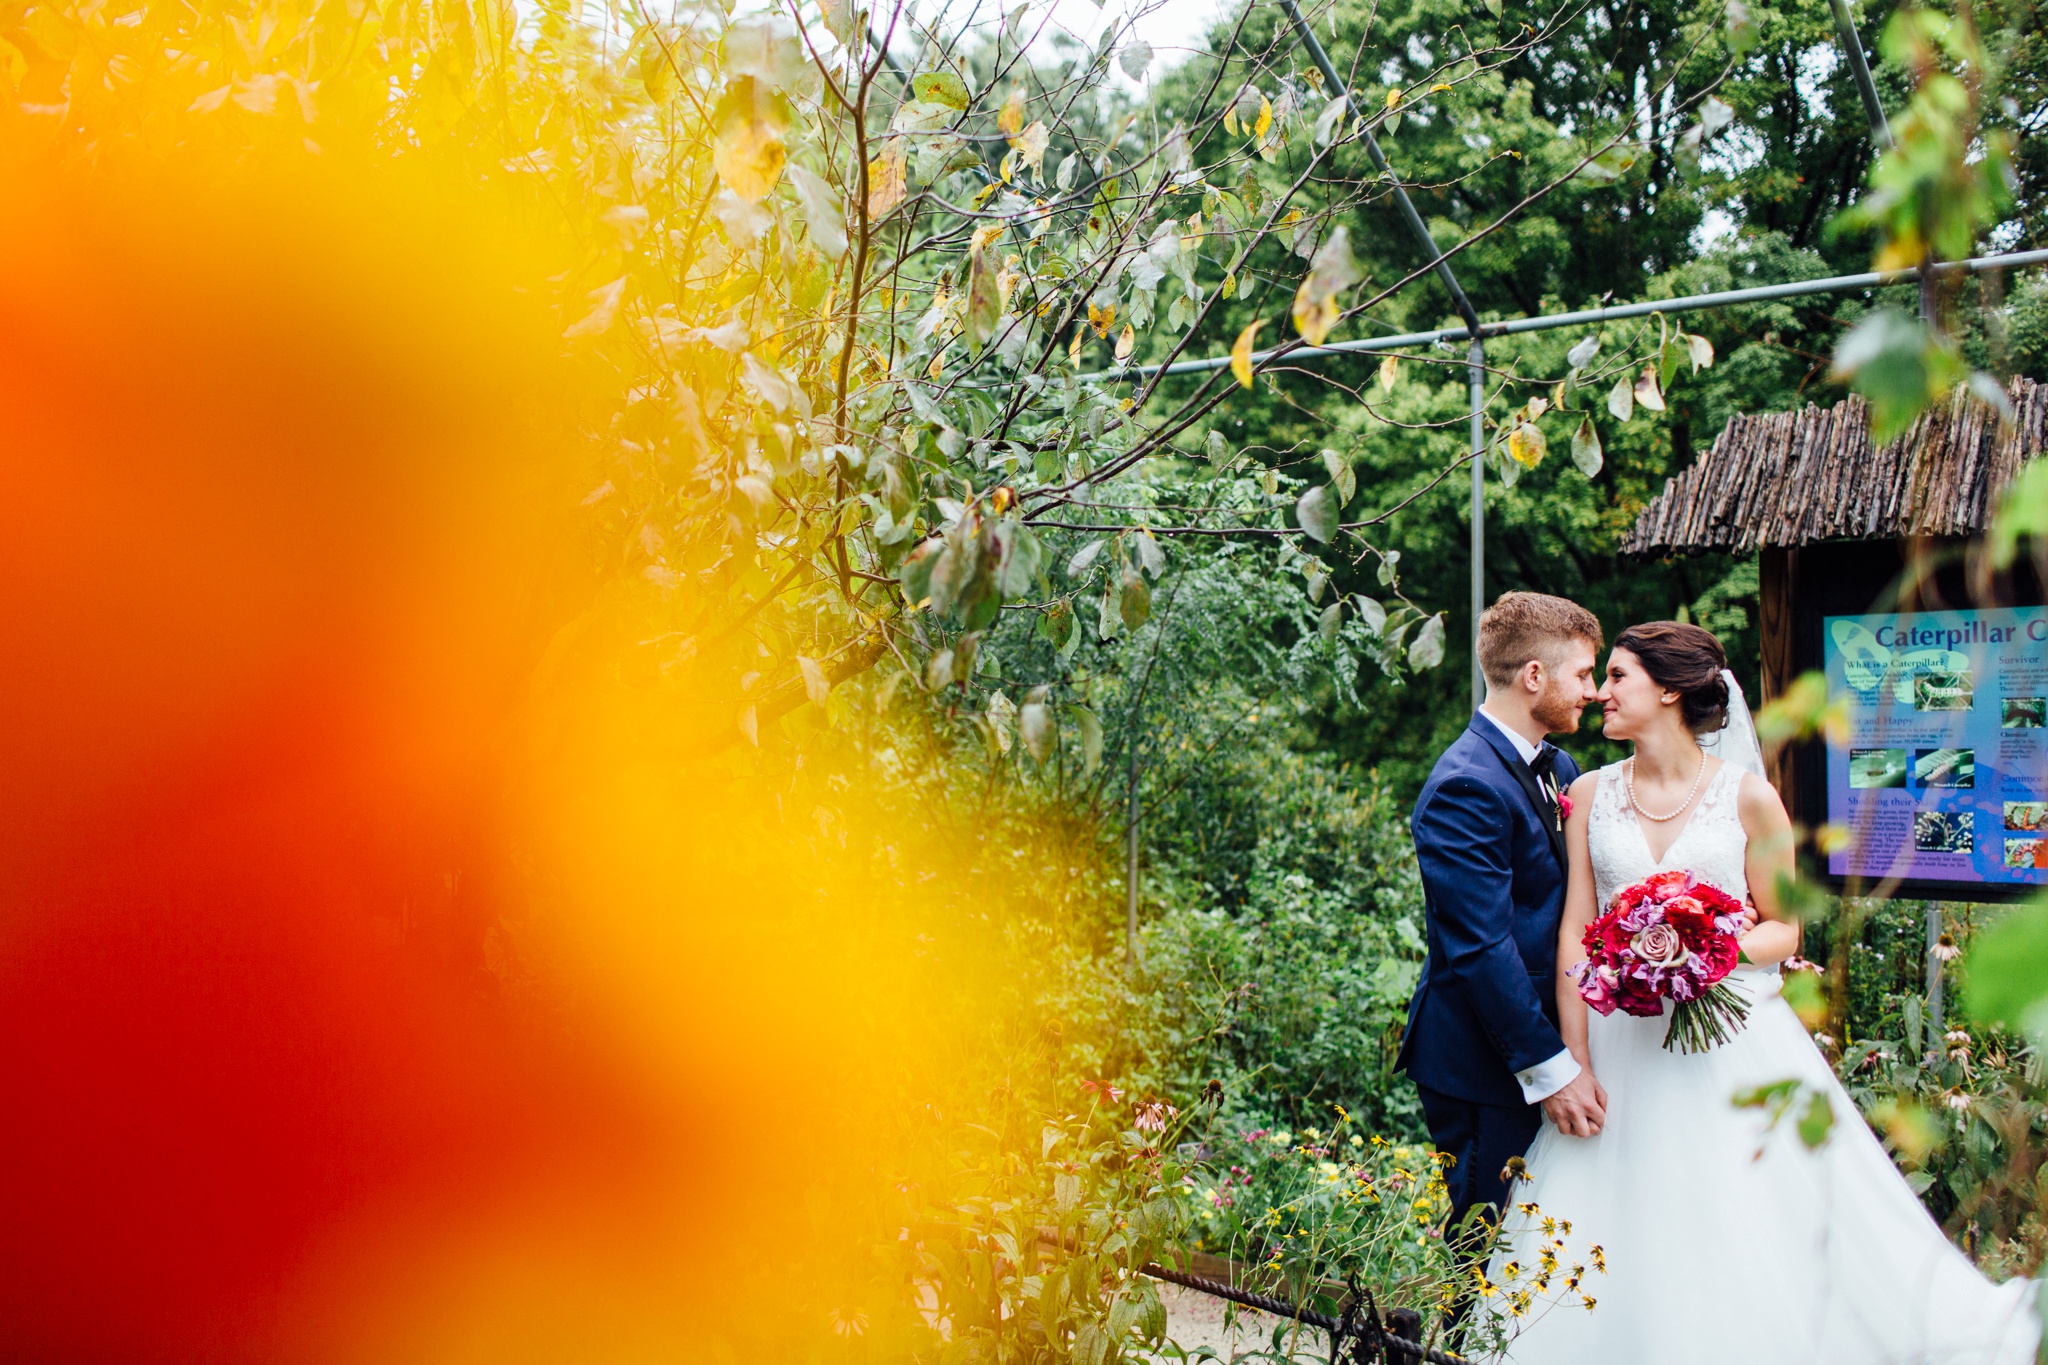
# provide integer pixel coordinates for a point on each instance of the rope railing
(1373, 1342)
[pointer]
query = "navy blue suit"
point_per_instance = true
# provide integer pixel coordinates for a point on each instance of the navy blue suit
(1493, 876)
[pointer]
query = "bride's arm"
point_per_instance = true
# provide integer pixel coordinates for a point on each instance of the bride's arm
(1776, 936)
(1578, 913)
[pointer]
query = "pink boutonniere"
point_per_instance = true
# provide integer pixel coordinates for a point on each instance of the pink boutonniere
(1564, 809)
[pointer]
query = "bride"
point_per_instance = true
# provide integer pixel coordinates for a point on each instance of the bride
(1722, 1238)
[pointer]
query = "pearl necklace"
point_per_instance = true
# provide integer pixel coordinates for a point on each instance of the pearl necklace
(1629, 778)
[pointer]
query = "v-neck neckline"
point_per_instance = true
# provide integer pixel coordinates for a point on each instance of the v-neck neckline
(1635, 817)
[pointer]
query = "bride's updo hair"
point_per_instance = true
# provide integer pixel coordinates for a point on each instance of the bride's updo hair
(1687, 660)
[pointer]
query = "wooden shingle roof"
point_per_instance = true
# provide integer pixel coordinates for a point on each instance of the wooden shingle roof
(1794, 478)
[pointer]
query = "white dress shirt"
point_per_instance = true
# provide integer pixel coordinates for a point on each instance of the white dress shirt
(1546, 1078)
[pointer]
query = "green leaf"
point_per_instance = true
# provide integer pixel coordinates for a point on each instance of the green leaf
(1330, 120)
(916, 573)
(1581, 355)
(1021, 556)
(940, 87)
(1341, 475)
(1056, 623)
(1669, 357)
(1775, 1094)
(1817, 1120)
(1898, 366)
(1426, 650)
(1151, 558)
(1134, 605)
(1743, 33)
(1609, 166)
(1039, 730)
(1371, 613)
(1084, 557)
(2008, 972)
(1089, 726)
(1331, 620)
(1317, 514)
(1586, 448)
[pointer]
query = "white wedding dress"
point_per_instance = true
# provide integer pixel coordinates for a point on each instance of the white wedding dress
(1724, 1245)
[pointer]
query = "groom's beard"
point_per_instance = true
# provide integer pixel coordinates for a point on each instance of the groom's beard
(1557, 711)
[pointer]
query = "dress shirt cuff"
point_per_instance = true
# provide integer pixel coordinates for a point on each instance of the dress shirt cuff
(1545, 1079)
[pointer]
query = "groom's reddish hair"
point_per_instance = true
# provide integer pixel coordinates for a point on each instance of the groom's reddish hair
(1521, 626)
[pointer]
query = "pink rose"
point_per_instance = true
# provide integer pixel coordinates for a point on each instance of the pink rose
(1660, 945)
(1564, 808)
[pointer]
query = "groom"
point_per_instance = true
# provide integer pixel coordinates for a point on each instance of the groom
(1482, 1044)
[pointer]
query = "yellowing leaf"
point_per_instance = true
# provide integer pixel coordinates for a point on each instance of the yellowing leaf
(1229, 115)
(984, 299)
(1394, 97)
(1647, 393)
(1439, 86)
(1265, 123)
(749, 157)
(885, 179)
(1229, 287)
(1031, 144)
(1621, 400)
(747, 149)
(1101, 318)
(1241, 354)
(1390, 373)
(604, 309)
(983, 235)
(1586, 448)
(1011, 120)
(1126, 341)
(1330, 273)
(1526, 445)
(941, 87)
(816, 687)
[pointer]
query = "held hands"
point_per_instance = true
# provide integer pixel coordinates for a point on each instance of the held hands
(1580, 1108)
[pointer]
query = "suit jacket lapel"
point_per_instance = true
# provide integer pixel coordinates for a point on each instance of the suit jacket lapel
(1546, 808)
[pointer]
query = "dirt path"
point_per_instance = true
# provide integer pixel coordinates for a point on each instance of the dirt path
(1196, 1322)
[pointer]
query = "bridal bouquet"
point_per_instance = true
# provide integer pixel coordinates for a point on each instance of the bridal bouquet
(1669, 936)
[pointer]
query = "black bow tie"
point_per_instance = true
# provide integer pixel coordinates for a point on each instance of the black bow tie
(1545, 760)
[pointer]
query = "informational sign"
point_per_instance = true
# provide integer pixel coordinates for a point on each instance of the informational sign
(1943, 775)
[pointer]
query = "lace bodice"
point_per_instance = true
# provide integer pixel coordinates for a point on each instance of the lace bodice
(1711, 844)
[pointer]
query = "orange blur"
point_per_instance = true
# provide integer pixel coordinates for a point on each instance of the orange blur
(377, 980)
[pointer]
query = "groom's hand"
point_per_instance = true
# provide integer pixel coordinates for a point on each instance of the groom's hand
(1580, 1108)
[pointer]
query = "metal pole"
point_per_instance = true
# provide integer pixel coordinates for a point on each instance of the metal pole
(1852, 45)
(1934, 974)
(1131, 860)
(1408, 341)
(1339, 90)
(1475, 373)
